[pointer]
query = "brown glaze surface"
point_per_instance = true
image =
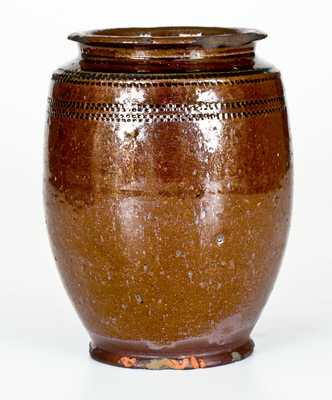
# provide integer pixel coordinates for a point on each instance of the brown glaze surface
(168, 198)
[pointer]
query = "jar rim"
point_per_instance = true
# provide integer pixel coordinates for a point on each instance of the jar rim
(196, 36)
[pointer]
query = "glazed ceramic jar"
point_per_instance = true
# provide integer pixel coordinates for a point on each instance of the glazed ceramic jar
(167, 189)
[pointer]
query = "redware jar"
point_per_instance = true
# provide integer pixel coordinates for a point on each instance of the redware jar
(167, 190)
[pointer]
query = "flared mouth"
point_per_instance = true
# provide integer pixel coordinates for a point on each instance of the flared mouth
(193, 36)
(167, 49)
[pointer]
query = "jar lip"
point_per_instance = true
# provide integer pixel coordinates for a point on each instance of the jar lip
(196, 36)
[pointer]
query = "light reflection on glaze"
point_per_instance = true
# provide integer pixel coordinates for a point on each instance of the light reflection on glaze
(126, 130)
(210, 205)
(210, 130)
(208, 96)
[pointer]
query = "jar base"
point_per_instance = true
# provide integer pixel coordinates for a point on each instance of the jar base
(179, 363)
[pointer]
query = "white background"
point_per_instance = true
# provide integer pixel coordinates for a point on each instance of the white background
(43, 345)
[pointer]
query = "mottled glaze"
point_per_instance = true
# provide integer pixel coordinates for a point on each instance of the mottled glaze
(167, 192)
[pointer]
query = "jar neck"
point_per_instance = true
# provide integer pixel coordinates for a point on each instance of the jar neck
(139, 59)
(167, 49)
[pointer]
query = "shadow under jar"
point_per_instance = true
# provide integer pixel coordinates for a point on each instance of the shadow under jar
(167, 188)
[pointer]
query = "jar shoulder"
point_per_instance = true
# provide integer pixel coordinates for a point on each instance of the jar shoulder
(73, 70)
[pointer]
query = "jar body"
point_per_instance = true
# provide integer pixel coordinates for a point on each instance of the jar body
(168, 201)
